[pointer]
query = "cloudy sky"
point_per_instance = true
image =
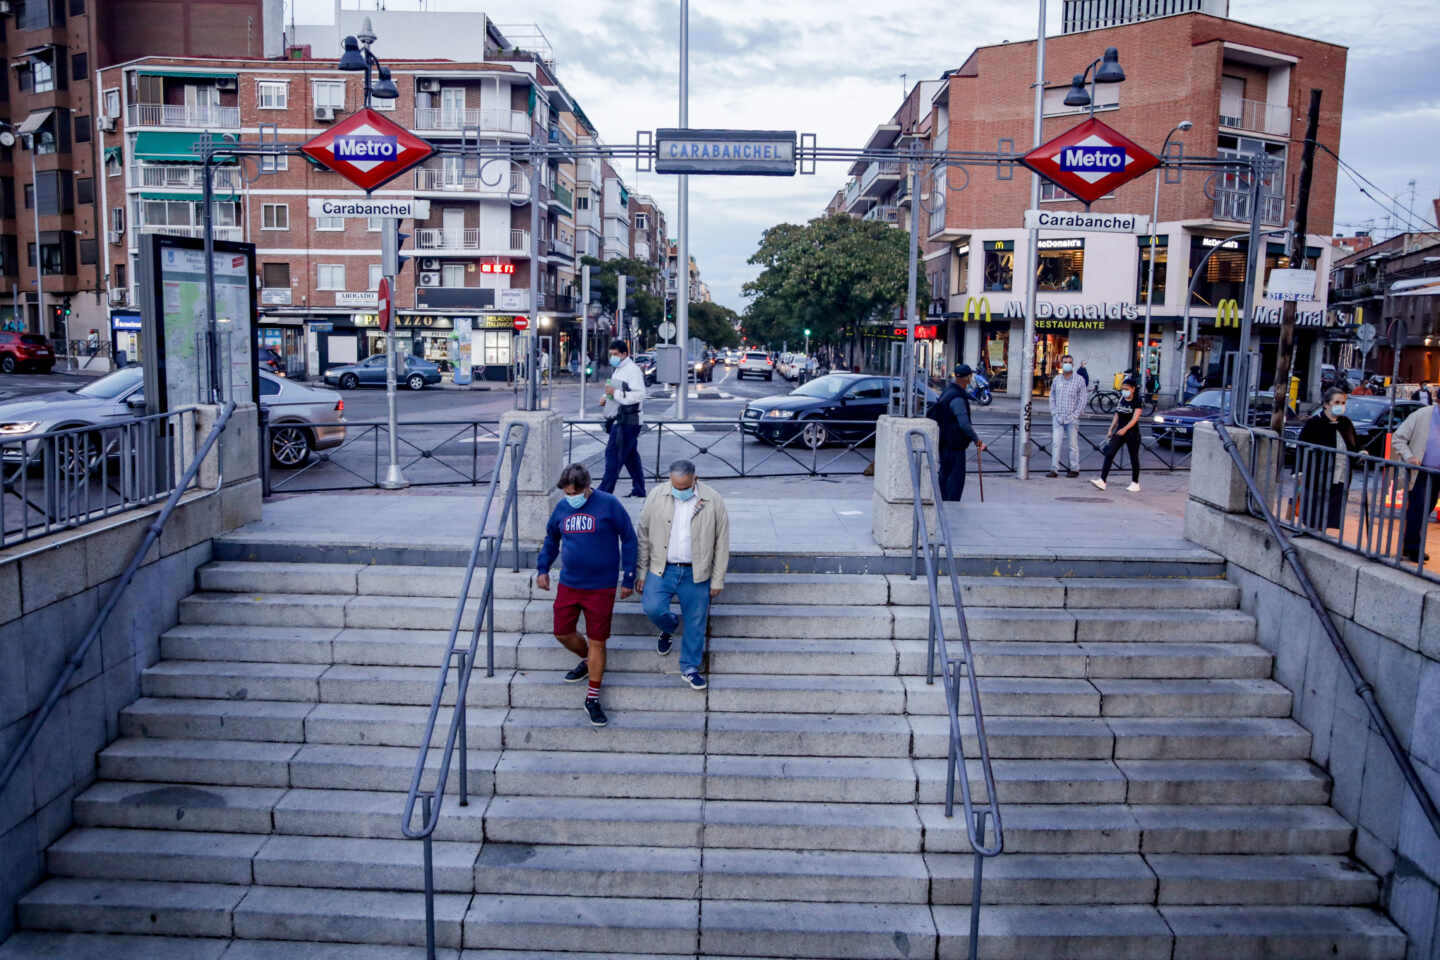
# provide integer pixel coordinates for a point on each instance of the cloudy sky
(835, 70)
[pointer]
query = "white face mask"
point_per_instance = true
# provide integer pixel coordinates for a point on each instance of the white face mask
(1337, 409)
(1068, 367)
(615, 359)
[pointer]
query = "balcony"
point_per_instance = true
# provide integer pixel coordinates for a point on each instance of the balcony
(879, 178)
(562, 247)
(166, 115)
(1259, 116)
(557, 302)
(856, 200)
(434, 180)
(1233, 204)
(468, 240)
(489, 122)
(192, 230)
(885, 213)
(183, 176)
(642, 251)
(587, 219)
(587, 170)
(564, 197)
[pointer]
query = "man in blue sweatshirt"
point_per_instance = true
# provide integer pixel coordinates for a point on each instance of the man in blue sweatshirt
(592, 535)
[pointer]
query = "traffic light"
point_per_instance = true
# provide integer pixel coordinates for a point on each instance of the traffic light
(629, 286)
(392, 264)
(66, 306)
(807, 331)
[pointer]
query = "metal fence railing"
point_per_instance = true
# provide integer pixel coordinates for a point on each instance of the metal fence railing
(440, 452)
(61, 479)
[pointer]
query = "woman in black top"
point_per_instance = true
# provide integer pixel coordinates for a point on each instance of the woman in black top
(1322, 469)
(1124, 432)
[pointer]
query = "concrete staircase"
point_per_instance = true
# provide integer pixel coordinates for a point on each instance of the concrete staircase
(1157, 799)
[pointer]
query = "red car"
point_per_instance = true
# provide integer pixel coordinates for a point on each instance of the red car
(22, 351)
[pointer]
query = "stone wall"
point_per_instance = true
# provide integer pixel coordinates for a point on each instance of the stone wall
(1390, 621)
(50, 593)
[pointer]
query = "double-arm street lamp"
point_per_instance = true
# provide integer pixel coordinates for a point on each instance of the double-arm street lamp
(357, 56)
(7, 140)
(1144, 363)
(1104, 70)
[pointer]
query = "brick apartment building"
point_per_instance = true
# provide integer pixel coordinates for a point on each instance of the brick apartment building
(649, 242)
(1244, 88)
(472, 256)
(50, 55)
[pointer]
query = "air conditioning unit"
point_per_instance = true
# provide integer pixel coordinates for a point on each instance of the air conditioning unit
(324, 113)
(429, 86)
(113, 236)
(430, 279)
(106, 123)
(429, 263)
(6, 7)
(225, 83)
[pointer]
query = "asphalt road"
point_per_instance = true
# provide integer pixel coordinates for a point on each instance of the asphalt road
(19, 386)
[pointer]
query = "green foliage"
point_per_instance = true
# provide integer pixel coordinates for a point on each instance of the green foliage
(714, 324)
(642, 305)
(828, 275)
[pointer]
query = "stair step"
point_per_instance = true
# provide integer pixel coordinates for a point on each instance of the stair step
(835, 930)
(810, 779)
(1018, 738)
(177, 806)
(249, 576)
(1030, 781)
(815, 875)
(171, 855)
(1028, 878)
(747, 620)
(1296, 933)
(1050, 829)
(613, 924)
(572, 773)
(277, 721)
(285, 950)
(1067, 932)
(38, 945)
(1192, 698)
(131, 906)
(624, 653)
(1072, 592)
(367, 647)
(1209, 738)
(601, 821)
(347, 916)
(226, 680)
(1136, 660)
(629, 731)
(362, 724)
(297, 861)
(1224, 781)
(1247, 829)
(326, 766)
(736, 655)
(588, 871)
(1270, 880)
(393, 580)
(404, 612)
(251, 644)
(808, 734)
(857, 827)
(1147, 626)
(803, 589)
(544, 689)
(794, 693)
(373, 814)
(223, 762)
(1008, 697)
(265, 609)
(408, 686)
(1021, 623)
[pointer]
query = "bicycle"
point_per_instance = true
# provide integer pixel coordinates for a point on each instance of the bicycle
(1107, 401)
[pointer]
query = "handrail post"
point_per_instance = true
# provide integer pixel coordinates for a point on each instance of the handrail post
(429, 884)
(462, 689)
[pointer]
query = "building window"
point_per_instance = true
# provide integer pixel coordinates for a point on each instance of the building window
(29, 196)
(85, 190)
(38, 14)
(77, 7)
(330, 276)
(7, 197)
(4, 81)
(330, 93)
(273, 94)
(82, 129)
(113, 165)
(112, 103)
(79, 66)
(53, 192)
(117, 219)
(1224, 274)
(1107, 97)
(120, 275)
(374, 224)
(330, 224)
(642, 221)
(47, 75)
(999, 265)
(89, 251)
(1061, 266)
(375, 276)
(961, 258)
(270, 163)
(452, 275)
(275, 216)
(1162, 260)
(275, 276)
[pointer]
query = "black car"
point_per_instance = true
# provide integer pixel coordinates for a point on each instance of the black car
(1373, 418)
(702, 370)
(646, 363)
(836, 407)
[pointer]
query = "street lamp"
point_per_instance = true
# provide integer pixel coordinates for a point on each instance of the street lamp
(356, 56)
(1144, 364)
(7, 140)
(1107, 69)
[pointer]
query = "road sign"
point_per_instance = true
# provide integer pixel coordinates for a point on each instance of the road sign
(382, 297)
(1290, 285)
(399, 209)
(667, 330)
(368, 149)
(1365, 334)
(522, 323)
(1090, 160)
(1089, 222)
(743, 152)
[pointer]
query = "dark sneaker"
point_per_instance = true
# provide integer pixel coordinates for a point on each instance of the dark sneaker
(664, 645)
(1051, 473)
(577, 673)
(597, 713)
(1073, 474)
(696, 680)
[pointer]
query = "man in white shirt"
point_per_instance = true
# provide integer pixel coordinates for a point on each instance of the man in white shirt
(1067, 399)
(626, 391)
(684, 550)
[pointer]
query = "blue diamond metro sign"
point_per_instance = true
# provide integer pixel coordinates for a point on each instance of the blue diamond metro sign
(1090, 160)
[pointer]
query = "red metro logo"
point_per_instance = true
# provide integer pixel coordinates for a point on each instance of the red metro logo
(367, 149)
(1090, 160)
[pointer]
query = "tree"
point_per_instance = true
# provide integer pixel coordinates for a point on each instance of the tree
(714, 324)
(642, 305)
(828, 276)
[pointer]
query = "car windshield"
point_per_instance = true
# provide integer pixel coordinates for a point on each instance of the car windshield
(1214, 399)
(825, 388)
(34, 339)
(112, 385)
(1365, 408)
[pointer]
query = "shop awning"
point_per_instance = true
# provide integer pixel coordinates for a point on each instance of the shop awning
(35, 121)
(192, 74)
(170, 147)
(112, 153)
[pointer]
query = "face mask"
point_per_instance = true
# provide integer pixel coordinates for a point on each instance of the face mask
(682, 495)
(1338, 409)
(1127, 394)
(614, 360)
(1068, 367)
(576, 500)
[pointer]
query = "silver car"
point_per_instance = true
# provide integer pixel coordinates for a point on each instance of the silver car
(119, 396)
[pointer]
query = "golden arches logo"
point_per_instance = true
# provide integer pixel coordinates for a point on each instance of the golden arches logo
(975, 307)
(1227, 314)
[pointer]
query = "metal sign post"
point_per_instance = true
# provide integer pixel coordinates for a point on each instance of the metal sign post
(394, 478)
(907, 404)
(584, 331)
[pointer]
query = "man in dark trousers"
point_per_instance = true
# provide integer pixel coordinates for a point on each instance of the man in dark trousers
(623, 396)
(952, 413)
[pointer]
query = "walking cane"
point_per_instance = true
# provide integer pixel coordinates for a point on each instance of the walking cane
(980, 471)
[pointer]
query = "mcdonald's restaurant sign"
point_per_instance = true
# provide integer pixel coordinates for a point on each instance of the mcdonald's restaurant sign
(1227, 316)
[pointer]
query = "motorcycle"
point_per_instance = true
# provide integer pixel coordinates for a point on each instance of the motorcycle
(980, 389)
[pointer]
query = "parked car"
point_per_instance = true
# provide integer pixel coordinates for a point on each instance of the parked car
(646, 363)
(1177, 424)
(1373, 417)
(25, 351)
(302, 419)
(413, 372)
(756, 363)
(836, 407)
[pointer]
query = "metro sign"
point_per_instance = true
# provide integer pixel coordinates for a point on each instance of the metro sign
(368, 149)
(1090, 160)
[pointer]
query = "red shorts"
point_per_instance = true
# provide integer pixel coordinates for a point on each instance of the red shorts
(598, 605)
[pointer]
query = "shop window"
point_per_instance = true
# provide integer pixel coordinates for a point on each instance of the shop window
(1276, 259)
(1142, 273)
(330, 276)
(961, 275)
(1224, 275)
(494, 347)
(999, 265)
(1061, 266)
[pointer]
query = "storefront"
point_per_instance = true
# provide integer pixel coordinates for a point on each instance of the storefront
(125, 337)
(286, 337)
(492, 350)
(425, 335)
(335, 340)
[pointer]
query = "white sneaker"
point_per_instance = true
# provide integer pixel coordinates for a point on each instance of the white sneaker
(1133, 488)
(1099, 484)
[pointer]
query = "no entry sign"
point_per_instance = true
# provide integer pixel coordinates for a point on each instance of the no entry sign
(367, 149)
(382, 298)
(1090, 160)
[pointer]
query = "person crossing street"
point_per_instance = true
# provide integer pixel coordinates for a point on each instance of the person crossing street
(623, 394)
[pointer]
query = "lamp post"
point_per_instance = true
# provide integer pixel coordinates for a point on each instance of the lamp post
(1104, 70)
(357, 56)
(1144, 365)
(7, 140)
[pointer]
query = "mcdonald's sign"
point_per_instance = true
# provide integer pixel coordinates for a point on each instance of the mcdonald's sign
(975, 307)
(1227, 314)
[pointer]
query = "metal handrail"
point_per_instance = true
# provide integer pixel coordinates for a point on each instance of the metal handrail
(512, 442)
(920, 455)
(1363, 689)
(77, 657)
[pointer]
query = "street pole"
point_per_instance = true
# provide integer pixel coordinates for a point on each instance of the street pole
(1032, 256)
(1144, 365)
(212, 336)
(390, 266)
(907, 405)
(584, 330)
(682, 284)
(39, 260)
(1285, 343)
(532, 346)
(1240, 401)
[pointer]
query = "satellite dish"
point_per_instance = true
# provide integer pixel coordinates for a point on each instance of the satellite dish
(7, 138)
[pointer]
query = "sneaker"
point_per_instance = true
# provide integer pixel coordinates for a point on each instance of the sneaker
(1133, 488)
(577, 673)
(1072, 474)
(597, 713)
(1099, 484)
(696, 680)
(664, 644)
(1051, 473)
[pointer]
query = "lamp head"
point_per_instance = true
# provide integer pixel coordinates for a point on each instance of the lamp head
(1184, 125)
(7, 138)
(384, 88)
(1110, 70)
(1077, 96)
(366, 36)
(352, 58)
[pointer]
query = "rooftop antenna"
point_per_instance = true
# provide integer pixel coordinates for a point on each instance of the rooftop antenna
(1410, 209)
(904, 85)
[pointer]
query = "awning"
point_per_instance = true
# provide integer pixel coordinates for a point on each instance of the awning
(112, 153)
(185, 197)
(173, 147)
(35, 121)
(192, 74)
(35, 51)
(1422, 287)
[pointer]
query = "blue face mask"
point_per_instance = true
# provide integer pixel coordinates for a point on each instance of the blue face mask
(682, 495)
(1338, 409)
(576, 500)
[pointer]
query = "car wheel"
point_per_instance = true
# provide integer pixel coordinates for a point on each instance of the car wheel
(349, 381)
(416, 382)
(289, 446)
(814, 435)
(79, 454)
(769, 377)
(7, 364)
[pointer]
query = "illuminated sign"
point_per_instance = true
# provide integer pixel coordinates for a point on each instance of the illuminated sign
(497, 268)
(367, 149)
(1090, 160)
(923, 331)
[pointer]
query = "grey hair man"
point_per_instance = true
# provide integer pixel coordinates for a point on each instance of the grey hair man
(684, 550)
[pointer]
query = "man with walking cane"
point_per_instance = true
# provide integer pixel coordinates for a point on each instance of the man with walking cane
(952, 413)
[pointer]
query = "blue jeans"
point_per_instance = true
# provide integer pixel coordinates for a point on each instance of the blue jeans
(678, 581)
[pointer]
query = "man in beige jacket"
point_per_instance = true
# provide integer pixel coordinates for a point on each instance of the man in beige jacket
(1417, 444)
(684, 535)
